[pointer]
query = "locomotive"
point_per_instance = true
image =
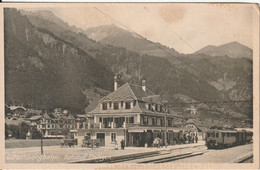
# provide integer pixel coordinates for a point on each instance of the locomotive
(216, 138)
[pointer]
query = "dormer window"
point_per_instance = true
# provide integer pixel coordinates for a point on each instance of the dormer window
(161, 108)
(104, 106)
(116, 105)
(127, 105)
(156, 107)
(150, 107)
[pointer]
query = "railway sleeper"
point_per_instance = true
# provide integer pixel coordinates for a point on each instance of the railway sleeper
(179, 157)
(153, 160)
(132, 158)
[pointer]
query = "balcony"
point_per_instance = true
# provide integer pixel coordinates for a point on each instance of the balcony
(111, 125)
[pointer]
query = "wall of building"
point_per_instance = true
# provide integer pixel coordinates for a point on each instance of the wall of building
(119, 135)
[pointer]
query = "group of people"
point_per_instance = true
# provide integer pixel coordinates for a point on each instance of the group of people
(157, 142)
(122, 144)
(191, 138)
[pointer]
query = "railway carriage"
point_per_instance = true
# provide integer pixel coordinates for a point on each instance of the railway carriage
(216, 138)
(249, 136)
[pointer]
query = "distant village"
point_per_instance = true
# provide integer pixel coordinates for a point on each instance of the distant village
(131, 112)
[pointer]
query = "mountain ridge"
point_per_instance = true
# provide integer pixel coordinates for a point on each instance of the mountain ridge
(232, 49)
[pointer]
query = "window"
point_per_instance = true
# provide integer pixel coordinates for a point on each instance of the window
(104, 106)
(113, 137)
(156, 107)
(122, 104)
(162, 122)
(100, 119)
(169, 122)
(134, 102)
(216, 135)
(149, 106)
(130, 120)
(127, 105)
(116, 106)
(145, 120)
(154, 121)
(110, 104)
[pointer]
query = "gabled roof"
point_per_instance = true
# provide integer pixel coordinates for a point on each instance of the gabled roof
(35, 117)
(34, 111)
(46, 116)
(153, 99)
(196, 123)
(81, 116)
(128, 91)
(138, 91)
(192, 121)
(70, 116)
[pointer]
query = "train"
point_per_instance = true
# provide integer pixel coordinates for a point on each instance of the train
(223, 138)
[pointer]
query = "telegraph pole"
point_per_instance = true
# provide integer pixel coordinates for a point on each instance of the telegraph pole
(165, 125)
(41, 145)
(165, 132)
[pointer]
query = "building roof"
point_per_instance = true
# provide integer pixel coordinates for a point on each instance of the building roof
(34, 111)
(81, 116)
(70, 116)
(35, 117)
(130, 91)
(46, 116)
(17, 107)
(196, 123)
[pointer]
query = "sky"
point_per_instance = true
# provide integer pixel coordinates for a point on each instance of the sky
(184, 27)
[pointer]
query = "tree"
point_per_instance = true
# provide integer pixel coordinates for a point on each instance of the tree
(6, 131)
(35, 133)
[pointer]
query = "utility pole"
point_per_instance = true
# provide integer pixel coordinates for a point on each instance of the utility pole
(21, 131)
(165, 132)
(41, 145)
(92, 136)
(165, 124)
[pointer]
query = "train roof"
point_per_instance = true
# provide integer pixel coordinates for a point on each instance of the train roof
(222, 130)
(228, 130)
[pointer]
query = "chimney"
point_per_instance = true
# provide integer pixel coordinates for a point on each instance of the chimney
(143, 85)
(115, 83)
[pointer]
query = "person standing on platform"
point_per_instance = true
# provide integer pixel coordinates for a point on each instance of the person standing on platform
(122, 144)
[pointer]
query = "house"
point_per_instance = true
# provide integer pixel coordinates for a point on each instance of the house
(131, 112)
(54, 125)
(196, 127)
(46, 125)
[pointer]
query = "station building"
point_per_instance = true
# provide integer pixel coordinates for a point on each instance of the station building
(131, 112)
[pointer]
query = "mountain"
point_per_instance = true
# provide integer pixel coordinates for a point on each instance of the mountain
(200, 77)
(118, 37)
(232, 49)
(49, 21)
(43, 71)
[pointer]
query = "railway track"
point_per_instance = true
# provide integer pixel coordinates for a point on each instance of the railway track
(162, 156)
